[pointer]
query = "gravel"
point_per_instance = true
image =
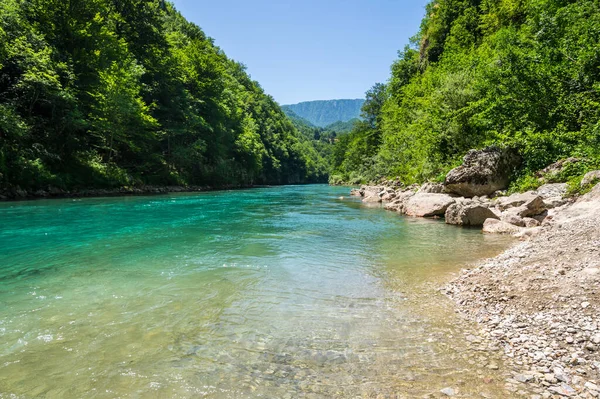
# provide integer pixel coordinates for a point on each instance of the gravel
(539, 302)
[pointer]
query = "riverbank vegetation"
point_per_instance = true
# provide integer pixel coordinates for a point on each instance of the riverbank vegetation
(108, 94)
(514, 73)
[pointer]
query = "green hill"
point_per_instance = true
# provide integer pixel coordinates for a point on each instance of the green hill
(342, 127)
(110, 94)
(523, 74)
(327, 112)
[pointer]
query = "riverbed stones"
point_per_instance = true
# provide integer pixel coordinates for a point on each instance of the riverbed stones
(428, 205)
(471, 213)
(483, 172)
(538, 301)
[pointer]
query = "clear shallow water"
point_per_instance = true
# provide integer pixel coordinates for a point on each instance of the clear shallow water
(276, 293)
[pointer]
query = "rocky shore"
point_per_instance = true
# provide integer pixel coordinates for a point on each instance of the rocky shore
(473, 195)
(538, 303)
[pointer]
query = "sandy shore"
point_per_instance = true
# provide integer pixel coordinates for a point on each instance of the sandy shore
(540, 303)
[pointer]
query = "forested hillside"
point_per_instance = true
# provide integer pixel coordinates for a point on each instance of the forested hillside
(517, 73)
(324, 113)
(100, 93)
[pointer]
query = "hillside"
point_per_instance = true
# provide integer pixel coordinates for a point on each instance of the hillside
(110, 95)
(324, 113)
(342, 127)
(520, 74)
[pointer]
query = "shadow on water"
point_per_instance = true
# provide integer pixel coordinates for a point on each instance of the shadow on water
(276, 292)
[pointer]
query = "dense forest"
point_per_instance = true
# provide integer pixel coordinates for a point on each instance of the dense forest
(102, 93)
(326, 112)
(515, 73)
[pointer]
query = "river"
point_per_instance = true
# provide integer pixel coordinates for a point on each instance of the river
(275, 292)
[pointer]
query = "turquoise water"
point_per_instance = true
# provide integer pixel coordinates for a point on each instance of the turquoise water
(277, 293)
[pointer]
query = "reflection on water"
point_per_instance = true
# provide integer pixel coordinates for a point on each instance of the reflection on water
(276, 293)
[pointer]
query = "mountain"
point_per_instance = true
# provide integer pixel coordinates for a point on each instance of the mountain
(297, 119)
(327, 112)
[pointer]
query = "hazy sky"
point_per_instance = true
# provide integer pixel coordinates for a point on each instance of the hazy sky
(310, 49)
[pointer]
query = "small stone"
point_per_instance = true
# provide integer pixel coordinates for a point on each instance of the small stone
(523, 377)
(569, 340)
(585, 304)
(591, 386)
(563, 390)
(590, 347)
(560, 375)
(448, 391)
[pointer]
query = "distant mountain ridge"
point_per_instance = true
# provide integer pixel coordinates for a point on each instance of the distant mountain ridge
(325, 112)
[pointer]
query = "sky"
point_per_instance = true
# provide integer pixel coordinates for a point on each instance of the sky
(307, 50)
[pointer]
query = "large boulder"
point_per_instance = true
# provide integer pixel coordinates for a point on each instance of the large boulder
(483, 172)
(552, 190)
(371, 193)
(397, 205)
(432, 188)
(553, 170)
(590, 178)
(553, 194)
(470, 213)
(428, 205)
(530, 202)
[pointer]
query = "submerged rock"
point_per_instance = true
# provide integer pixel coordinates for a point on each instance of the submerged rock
(483, 172)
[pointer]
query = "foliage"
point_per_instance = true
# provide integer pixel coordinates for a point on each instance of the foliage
(522, 73)
(104, 93)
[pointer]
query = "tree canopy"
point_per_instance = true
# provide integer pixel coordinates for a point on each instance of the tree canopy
(110, 93)
(518, 73)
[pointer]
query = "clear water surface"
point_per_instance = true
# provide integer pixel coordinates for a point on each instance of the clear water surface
(276, 293)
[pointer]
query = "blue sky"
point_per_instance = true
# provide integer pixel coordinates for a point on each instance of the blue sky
(306, 50)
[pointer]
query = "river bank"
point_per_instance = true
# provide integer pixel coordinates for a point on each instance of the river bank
(540, 302)
(19, 194)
